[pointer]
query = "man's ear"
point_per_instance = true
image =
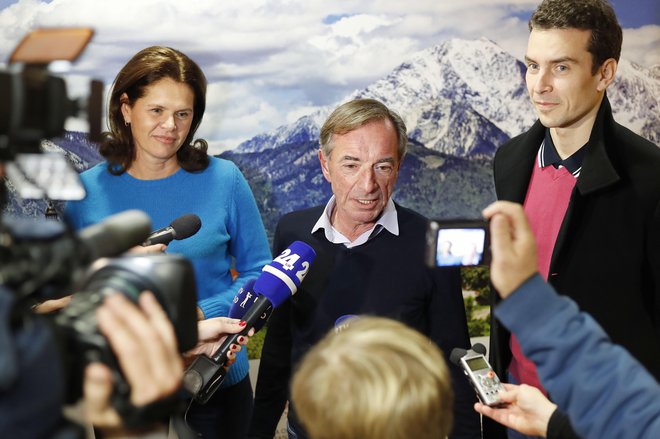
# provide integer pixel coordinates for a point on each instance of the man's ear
(606, 74)
(324, 165)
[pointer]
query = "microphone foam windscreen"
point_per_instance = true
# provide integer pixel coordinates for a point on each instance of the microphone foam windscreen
(282, 277)
(456, 355)
(479, 348)
(186, 226)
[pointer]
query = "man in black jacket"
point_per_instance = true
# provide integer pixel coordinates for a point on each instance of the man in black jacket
(370, 260)
(590, 187)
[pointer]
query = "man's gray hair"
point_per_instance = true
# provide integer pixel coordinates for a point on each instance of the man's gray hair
(356, 113)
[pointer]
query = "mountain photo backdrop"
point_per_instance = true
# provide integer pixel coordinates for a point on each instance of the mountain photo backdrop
(277, 69)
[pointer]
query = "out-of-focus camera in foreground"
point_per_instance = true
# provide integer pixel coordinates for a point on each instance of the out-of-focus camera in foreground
(34, 105)
(44, 357)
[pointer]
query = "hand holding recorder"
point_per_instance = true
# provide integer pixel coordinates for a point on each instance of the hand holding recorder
(526, 410)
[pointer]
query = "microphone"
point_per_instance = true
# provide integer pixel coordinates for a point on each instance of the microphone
(243, 300)
(479, 349)
(278, 281)
(115, 235)
(344, 322)
(181, 228)
(456, 355)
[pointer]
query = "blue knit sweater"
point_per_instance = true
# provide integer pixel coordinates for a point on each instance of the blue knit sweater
(231, 232)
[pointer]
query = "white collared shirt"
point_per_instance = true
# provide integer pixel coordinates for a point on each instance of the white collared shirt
(388, 220)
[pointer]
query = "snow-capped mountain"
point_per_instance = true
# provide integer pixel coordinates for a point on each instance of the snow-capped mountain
(460, 100)
(459, 97)
(635, 99)
(466, 97)
(305, 129)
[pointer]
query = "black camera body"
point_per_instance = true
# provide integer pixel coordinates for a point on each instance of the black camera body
(33, 103)
(169, 277)
(43, 260)
(460, 242)
(34, 106)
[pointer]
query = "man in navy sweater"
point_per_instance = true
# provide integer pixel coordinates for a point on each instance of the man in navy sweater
(370, 260)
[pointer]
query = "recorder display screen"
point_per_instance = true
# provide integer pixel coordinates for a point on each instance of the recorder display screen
(477, 363)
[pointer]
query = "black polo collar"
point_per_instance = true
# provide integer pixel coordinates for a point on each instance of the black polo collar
(548, 155)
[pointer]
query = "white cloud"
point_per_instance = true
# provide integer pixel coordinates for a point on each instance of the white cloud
(641, 45)
(357, 25)
(234, 113)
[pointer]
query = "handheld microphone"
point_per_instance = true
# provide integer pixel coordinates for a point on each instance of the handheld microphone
(243, 300)
(278, 281)
(344, 321)
(181, 228)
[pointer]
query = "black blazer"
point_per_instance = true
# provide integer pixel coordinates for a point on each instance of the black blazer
(607, 254)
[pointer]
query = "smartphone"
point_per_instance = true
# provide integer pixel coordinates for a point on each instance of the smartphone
(482, 377)
(457, 243)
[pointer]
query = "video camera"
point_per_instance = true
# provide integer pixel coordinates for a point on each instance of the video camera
(42, 260)
(34, 106)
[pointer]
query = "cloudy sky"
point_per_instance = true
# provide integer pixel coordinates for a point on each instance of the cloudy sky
(271, 61)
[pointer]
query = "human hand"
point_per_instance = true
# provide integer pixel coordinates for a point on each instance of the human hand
(528, 410)
(213, 332)
(144, 343)
(513, 246)
(149, 249)
(52, 305)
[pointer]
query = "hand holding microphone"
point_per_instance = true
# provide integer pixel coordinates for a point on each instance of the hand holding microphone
(211, 333)
(244, 299)
(278, 281)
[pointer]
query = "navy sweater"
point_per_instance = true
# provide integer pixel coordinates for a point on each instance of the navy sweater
(386, 277)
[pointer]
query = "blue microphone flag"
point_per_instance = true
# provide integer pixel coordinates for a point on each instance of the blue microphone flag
(281, 278)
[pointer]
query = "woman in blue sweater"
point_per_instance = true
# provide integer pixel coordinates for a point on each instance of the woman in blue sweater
(153, 164)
